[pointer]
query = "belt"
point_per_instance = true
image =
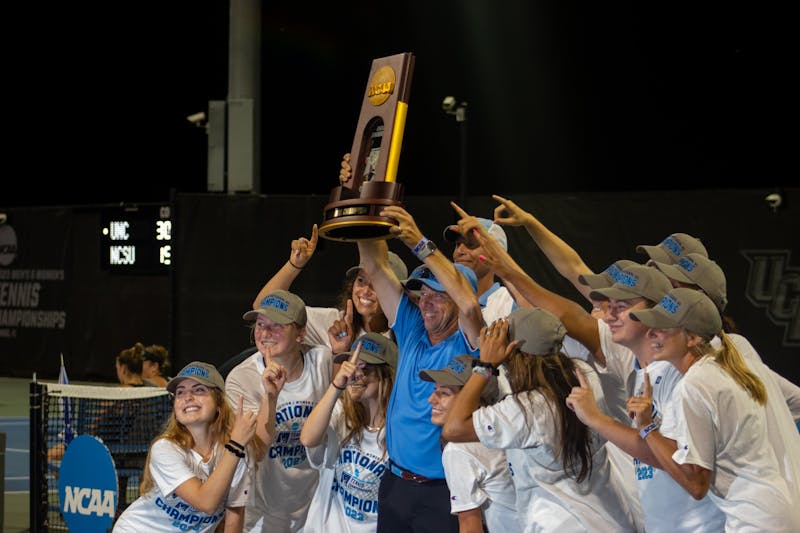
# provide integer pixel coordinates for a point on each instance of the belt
(407, 475)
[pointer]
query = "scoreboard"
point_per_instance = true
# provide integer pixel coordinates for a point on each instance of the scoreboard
(136, 239)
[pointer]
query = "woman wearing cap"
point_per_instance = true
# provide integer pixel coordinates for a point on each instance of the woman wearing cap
(479, 478)
(196, 473)
(721, 446)
(283, 381)
(357, 311)
(562, 475)
(155, 363)
(346, 440)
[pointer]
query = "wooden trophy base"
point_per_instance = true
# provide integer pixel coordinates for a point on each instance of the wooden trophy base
(349, 219)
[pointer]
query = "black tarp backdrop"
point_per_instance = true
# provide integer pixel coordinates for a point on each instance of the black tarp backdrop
(226, 247)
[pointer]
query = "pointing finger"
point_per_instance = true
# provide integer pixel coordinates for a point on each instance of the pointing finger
(459, 211)
(581, 379)
(356, 352)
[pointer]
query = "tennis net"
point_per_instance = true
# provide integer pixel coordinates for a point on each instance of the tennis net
(125, 419)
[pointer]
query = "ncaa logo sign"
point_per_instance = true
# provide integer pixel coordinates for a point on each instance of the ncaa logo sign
(87, 486)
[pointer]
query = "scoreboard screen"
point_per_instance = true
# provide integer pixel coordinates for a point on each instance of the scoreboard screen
(136, 239)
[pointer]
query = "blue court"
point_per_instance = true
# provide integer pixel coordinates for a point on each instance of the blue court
(17, 452)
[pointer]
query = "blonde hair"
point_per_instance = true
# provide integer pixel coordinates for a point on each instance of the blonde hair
(732, 362)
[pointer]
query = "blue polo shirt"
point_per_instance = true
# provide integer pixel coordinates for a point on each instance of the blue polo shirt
(411, 438)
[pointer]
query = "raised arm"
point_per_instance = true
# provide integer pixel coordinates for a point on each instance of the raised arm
(374, 259)
(579, 323)
(560, 254)
(470, 319)
(302, 250)
(316, 426)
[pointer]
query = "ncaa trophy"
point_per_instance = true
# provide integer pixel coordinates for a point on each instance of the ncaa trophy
(352, 212)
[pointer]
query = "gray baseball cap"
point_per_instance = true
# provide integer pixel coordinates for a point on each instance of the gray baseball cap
(699, 270)
(685, 308)
(636, 281)
(397, 265)
(376, 349)
(282, 307)
(539, 330)
(673, 247)
(457, 373)
(607, 277)
(204, 373)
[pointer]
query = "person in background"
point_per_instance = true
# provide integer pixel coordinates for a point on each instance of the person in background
(495, 299)
(155, 365)
(481, 487)
(196, 474)
(345, 438)
(441, 325)
(129, 367)
(720, 445)
(562, 475)
(357, 311)
(283, 382)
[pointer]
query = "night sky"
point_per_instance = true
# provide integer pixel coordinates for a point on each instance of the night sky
(560, 98)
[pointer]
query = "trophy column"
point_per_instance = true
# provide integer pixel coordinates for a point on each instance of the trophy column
(352, 213)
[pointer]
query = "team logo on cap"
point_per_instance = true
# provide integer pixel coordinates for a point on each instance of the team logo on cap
(371, 346)
(195, 371)
(614, 272)
(670, 304)
(687, 264)
(627, 279)
(672, 244)
(457, 366)
(276, 302)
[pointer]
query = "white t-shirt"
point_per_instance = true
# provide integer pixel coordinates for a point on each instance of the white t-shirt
(782, 432)
(547, 499)
(499, 304)
(161, 510)
(659, 494)
(284, 481)
(478, 476)
(346, 499)
(720, 428)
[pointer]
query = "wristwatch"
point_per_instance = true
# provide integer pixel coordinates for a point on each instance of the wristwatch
(424, 248)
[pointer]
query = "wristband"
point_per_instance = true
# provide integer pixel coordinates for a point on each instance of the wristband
(477, 363)
(649, 428)
(482, 371)
(424, 248)
(337, 387)
(233, 442)
(234, 451)
(295, 266)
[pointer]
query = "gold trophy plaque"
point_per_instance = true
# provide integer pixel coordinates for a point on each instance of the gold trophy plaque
(352, 213)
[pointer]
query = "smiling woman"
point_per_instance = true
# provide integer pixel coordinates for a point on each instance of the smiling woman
(200, 461)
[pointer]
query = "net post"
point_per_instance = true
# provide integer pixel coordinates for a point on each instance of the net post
(38, 497)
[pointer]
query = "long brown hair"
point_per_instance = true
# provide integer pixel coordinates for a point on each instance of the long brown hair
(553, 376)
(379, 323)
(355, 413)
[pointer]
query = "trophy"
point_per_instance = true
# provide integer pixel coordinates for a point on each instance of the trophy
(352, 213)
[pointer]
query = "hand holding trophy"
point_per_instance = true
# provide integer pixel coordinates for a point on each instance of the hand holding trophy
(352, 213)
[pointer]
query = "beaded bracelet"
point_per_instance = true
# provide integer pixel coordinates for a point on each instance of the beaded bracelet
(234, 451)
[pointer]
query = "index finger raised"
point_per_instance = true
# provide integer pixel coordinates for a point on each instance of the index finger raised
(461, 212)
(356, 352)
(581, 379)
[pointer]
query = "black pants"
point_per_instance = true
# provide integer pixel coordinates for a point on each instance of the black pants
(408, 506)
